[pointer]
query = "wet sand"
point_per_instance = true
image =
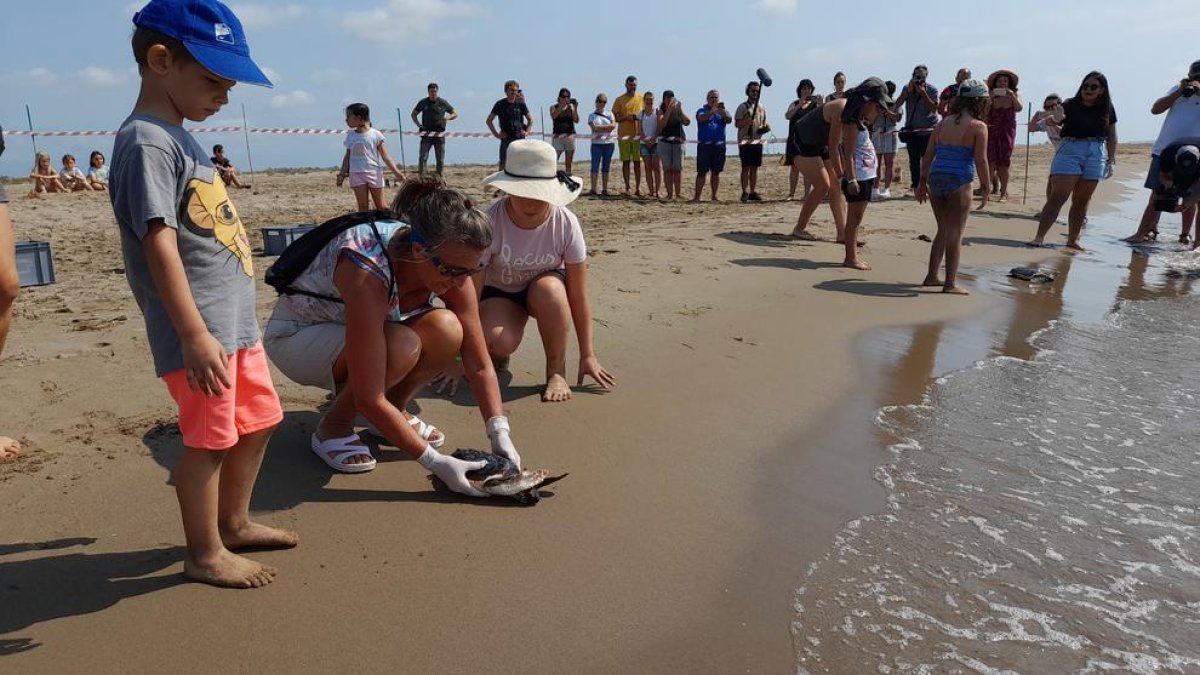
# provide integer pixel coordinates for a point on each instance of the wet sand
(700, 489)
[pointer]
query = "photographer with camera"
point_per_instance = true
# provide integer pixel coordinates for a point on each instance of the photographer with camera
(1182, 106)
(564, 115)
(919, 99)
(1179, 180)
(710, 148)
(750, 118)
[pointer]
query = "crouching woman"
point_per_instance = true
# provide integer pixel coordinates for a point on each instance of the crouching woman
(361, 324)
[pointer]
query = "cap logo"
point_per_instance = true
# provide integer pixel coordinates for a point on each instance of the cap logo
(223, 33)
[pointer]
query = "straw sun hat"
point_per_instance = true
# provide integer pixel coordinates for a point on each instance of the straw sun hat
(1012, 79)
(531, 171)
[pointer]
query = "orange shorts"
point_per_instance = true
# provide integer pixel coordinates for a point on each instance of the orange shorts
(217, 422)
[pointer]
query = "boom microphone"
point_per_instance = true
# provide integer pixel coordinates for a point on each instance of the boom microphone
(763, 77)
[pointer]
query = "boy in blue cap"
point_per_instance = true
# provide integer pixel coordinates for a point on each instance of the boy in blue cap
(188, 262)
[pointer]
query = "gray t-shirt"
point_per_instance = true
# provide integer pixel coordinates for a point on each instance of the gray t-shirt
(159, 171)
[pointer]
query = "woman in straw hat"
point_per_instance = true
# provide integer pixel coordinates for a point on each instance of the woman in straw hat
(536, 267)
(1002, 127)
(361, 325)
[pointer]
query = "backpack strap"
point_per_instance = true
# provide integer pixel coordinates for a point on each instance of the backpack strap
(392, 289)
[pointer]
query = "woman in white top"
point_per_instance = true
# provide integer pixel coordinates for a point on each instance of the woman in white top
(650, 121)
(602, 125)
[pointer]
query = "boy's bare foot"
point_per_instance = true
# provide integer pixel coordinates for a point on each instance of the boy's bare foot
(1074, 246)
(955, 290)
(256, 535)
(931, 281)
(856, 264)
(557, 389)
(229, 570)
(10, 448)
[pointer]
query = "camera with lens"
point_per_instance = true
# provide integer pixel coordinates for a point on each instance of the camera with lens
(1188, 91)
(574, 101)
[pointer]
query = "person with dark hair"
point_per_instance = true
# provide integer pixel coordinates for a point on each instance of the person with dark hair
(948, 94)
(806, 102)
(10, 287)
(564, 115)
(858, 170)
(817, 132)
(710, 148)
(365, 329)
(366, 156)
(957, 148)
(189, 265)
(72, 177)
(1182, 105)
(514, 116)
(750, 118)
(919, 99)
(435, 112)
(97, 174)
(671, 139)
(1002, 127)
(839, 87)
(225, 168)
(1086, 156)
(883, 137)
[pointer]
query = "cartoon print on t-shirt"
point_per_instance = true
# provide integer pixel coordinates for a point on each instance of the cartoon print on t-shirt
(207, 211)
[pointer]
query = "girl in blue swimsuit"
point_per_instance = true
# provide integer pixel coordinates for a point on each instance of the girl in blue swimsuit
(957, 148)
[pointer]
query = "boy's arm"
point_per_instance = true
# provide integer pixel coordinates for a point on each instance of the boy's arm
(204, 358)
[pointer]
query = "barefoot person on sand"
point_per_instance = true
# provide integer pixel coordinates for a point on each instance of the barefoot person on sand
(858, 170)
(10, 285)
(191, 270)
(815, 133)
(1084, 158)
(957, 148)
(1002, 127)
(361, 325)
(537, 267)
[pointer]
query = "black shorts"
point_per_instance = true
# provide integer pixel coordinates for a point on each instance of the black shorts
(751, 155)
(807, 150)
(521, 297)
(865, 188)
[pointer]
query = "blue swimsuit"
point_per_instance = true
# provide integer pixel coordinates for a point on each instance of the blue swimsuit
(953, 167)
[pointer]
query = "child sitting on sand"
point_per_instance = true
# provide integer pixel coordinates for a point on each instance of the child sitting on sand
(97, 174)
(191, 270)
(536, 267)
(45, 178)
(72, 177)
(365, 158)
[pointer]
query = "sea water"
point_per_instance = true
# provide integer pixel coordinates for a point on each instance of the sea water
(1043, 512)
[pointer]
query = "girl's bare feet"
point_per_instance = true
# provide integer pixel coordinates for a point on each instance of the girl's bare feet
(228, 570)
(856, 264)
(955, 290)
(557, 389)
(9, 448)
(256, 535)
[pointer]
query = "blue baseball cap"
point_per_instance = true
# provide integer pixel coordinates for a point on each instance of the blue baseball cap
(210, 31)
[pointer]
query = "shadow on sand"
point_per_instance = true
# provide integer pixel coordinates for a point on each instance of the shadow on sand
(786, 263)
(873, 289)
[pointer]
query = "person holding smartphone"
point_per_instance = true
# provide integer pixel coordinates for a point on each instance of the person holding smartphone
(919, 99)
(564, 115)
(1002, 127)
(710, 152)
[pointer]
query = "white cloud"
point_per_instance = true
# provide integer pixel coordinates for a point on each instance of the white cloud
(100, 78)
(92, 77)
(40, 77)
(267, 16)
(292, 99)
(400, 19)
(328, 76)
(776, 6)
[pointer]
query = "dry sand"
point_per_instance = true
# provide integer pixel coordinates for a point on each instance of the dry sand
(699, 490)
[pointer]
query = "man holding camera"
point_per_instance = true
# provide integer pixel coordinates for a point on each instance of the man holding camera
(434, 112)
(751, 122)
(1182, 105)
(919, 99)
(710, 148)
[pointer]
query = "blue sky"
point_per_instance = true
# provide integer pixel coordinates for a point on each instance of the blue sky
(75, 70)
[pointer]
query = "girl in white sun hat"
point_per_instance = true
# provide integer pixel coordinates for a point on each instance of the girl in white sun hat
(536, 267)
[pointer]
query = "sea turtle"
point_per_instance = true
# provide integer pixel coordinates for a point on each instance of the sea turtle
(500, 477)
(1033, 274)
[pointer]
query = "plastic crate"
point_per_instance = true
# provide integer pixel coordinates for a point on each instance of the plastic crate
(35, 264)
(275, 239)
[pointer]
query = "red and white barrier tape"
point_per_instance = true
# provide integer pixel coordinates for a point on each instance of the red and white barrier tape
(290, 131)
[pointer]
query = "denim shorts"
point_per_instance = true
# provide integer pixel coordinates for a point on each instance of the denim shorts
(1083, 157)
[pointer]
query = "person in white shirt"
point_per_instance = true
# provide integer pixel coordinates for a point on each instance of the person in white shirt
(650, 120)
(71, 176)
(365, 158)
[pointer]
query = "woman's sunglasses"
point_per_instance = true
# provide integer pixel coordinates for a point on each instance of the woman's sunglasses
(1091, 87)
(452, 272)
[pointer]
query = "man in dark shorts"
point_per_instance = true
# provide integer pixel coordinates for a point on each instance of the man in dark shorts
(513, 115)
(434, 112)
(751, 122)
(710, 147)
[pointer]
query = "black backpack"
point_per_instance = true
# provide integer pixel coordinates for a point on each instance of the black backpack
(300, 253)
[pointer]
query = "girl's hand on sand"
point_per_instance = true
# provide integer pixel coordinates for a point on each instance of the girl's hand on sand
(447, 381)
(922, 193)
(204, 362)
(590, 366)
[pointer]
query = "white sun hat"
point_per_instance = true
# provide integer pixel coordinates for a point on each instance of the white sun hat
(531, 171)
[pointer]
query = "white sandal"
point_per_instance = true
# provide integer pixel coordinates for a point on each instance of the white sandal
(335, 451)
(423, 430)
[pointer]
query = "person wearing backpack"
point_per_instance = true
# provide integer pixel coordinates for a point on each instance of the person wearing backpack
(356, 319)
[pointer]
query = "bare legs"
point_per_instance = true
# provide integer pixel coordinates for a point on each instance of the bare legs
(715, 184)
(820, 173)
(637, 171)
(504, 327)
(10, 285)
(1062, 188)
(951, 214)
(854, 217)
(654, 177)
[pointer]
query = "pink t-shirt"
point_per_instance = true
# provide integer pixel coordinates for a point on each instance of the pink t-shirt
(518, 255)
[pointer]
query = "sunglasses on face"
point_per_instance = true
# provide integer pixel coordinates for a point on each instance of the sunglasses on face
(1091, 86)
(451, 271)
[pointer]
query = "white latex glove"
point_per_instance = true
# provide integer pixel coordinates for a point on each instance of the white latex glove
(1108, 169)
(451, 470)
(498, 432)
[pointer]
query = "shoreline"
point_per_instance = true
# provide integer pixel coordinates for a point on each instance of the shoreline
(697, 489)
